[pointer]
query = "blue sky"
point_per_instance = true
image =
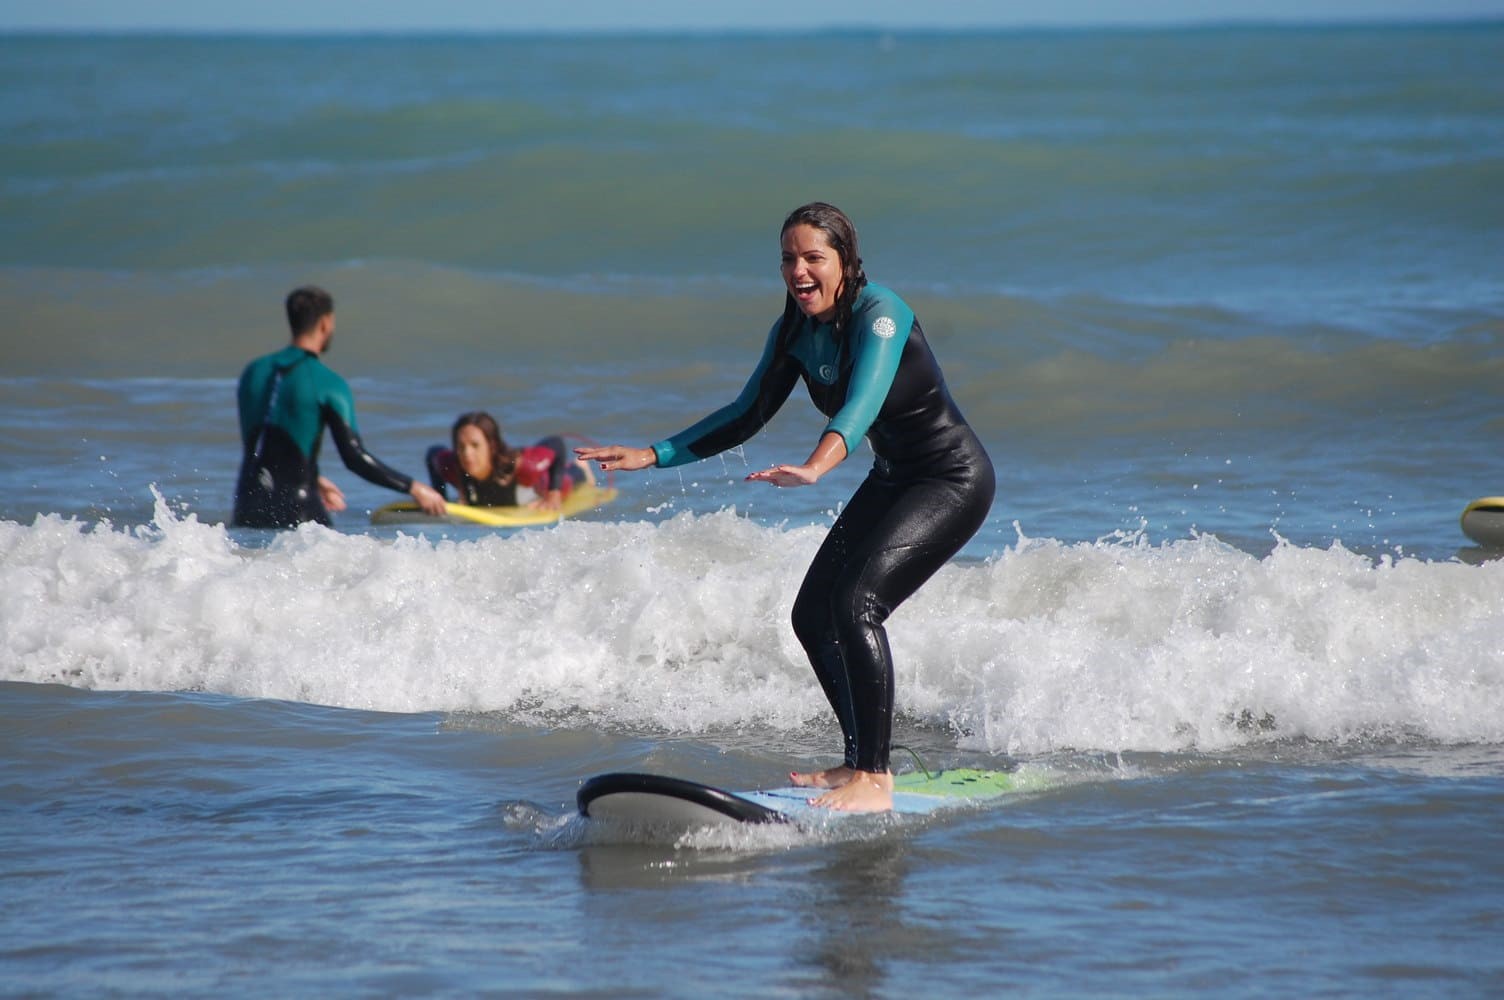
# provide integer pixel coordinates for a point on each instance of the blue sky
(616, 15)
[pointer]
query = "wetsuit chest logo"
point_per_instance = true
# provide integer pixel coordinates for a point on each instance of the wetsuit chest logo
(820, 357)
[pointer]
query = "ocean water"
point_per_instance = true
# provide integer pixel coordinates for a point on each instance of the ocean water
(1225, 305)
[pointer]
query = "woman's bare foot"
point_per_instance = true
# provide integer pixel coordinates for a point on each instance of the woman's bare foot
(831, 777)
(867, 791)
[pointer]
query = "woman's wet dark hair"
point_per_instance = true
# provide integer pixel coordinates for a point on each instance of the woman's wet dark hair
(503, 460)
(840, 233)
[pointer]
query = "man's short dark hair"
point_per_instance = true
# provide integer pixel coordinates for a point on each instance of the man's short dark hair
(306, 306)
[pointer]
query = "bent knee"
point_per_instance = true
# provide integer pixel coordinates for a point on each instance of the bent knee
(811, 621)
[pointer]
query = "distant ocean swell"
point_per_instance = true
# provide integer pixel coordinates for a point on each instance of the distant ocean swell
(551, 206)
(77, 320)
(1107, 164)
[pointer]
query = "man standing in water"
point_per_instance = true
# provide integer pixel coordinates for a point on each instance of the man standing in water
(286, 399)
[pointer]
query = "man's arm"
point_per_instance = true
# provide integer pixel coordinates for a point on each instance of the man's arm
(370, 468)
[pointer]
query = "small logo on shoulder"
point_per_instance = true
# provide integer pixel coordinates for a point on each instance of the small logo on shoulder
(828, 374)
(884, 327)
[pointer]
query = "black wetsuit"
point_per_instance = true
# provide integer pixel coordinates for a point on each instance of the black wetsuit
(286, 400)
(928, 492)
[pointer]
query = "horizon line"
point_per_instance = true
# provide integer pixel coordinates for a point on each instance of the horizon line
(1175, 24)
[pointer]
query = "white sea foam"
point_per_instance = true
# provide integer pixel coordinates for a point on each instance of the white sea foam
(683, 626)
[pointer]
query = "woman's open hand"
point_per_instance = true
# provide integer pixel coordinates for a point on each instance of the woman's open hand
(615, 456)
(828, 454)
(786, 475)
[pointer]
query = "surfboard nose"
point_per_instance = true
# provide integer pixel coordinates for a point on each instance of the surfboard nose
(657, 799)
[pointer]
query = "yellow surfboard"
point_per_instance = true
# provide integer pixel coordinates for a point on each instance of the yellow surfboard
(1483, 522)
(580, 499)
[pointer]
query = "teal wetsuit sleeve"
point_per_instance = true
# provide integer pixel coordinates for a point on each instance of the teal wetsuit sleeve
(760, 398)
(336, 399)
(338, 408)
(878, 334)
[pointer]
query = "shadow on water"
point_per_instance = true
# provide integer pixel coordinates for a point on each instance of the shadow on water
(844, 929)
(855, 923)
(1477, 555)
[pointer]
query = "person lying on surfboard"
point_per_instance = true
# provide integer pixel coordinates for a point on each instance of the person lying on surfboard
(861, 353)
(486, 471)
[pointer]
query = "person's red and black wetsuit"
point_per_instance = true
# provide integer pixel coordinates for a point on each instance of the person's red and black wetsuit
(543, 468)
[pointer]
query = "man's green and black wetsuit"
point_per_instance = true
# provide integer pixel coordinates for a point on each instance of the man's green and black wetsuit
(929, 491)
(286, 400)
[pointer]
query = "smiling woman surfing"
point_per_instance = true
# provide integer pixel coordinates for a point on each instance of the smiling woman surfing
(860, 351)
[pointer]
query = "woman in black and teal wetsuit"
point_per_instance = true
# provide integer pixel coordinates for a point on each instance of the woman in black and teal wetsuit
(863, 356)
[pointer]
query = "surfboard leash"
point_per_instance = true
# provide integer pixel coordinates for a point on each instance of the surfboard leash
(917, 762)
